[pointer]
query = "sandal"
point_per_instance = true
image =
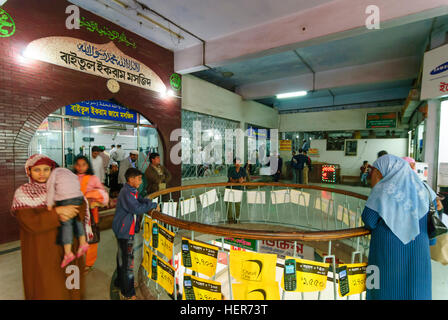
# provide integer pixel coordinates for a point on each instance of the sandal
(67, 259)
(82, 250)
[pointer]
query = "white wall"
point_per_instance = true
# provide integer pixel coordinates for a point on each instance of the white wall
(367, 150)
(204, 97)
(353, 119)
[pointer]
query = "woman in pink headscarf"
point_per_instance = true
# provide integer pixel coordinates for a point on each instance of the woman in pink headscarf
(43, 278)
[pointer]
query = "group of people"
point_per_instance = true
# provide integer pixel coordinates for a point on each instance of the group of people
(57, 211)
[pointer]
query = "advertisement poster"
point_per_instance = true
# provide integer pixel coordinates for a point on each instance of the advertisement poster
(353, 281)
(199, 257)
(310, 276)
(256, 291)
(162, 240)
(252, 267)
(158, 270)
(200, 289)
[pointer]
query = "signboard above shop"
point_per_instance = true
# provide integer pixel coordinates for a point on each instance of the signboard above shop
(435, 74)
(381, 120)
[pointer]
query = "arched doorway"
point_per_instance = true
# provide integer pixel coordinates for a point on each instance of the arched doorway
(74, 129)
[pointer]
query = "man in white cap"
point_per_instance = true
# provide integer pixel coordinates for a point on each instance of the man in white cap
(129, 162)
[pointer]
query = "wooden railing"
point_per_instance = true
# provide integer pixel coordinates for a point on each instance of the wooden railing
(259, 234)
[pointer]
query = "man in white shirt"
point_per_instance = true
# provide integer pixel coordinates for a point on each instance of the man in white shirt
(98, 164)
(120, 154)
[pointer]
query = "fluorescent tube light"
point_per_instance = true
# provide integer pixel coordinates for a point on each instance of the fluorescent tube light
(292, 94)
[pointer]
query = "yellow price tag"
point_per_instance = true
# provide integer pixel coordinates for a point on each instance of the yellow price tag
(204, 257)
(165, 241)
(356, 278)
(311, 276)
(147, 227)
(202, 289)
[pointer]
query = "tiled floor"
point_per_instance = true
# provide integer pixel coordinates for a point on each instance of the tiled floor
(97, 280)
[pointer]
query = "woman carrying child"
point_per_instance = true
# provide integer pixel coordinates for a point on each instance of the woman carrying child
(43, 278)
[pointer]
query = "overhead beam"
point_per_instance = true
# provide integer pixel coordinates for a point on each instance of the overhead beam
(383, 71)
(332, 21)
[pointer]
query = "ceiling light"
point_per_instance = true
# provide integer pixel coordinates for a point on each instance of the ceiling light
(2, 2)
(292, 94)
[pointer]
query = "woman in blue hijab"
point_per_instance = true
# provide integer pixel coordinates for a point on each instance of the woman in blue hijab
(396, 213)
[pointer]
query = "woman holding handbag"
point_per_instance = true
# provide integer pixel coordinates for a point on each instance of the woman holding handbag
(397, 214)
(94, 191)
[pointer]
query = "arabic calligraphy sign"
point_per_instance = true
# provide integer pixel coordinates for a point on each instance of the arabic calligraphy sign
(104, 60)
(7, 25)
(92, 26)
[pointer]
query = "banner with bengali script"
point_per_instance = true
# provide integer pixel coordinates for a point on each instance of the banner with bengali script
(284, 248)
(99, 109)
(159, 271)
(103, 60)
(203, 257)
(356, 278)
(310, 275)
(195, 288)
(252, 267)
(256, 291)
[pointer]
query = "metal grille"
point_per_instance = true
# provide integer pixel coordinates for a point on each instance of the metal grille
(213, 126)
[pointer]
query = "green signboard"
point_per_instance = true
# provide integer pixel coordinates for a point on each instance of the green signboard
(7, 25)
(381, 120)
(247, 244)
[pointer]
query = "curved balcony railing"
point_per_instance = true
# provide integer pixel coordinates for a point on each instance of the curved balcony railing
(314, 223)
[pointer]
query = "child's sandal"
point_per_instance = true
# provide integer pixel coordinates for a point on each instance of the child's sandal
(67, 259)
(82, 250)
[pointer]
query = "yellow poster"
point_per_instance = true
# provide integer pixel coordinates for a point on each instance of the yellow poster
(161, 272)
(195, 288)
(146, 258)
(199, 257)
(310, 275)
(256, 291)
(165, 240)
(253, 267)
(147, 224)
(356, 274)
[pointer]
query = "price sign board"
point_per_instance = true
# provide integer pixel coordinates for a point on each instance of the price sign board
(311, 276)
(199, 257)
(356, 283)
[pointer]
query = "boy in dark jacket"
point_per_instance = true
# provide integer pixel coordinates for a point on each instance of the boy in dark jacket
(125, 225)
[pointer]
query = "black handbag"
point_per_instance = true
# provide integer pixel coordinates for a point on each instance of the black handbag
(95, 231)
(435, 226)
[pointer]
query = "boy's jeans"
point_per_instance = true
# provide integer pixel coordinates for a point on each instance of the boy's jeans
(364, 178)
(125, 267)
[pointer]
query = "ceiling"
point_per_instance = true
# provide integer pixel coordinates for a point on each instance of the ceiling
(205, 19)
(351, 69)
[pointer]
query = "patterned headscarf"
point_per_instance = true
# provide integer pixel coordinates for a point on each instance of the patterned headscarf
(32, 194)
(400, 197)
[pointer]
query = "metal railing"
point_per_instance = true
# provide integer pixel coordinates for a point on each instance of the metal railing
(327, 220)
